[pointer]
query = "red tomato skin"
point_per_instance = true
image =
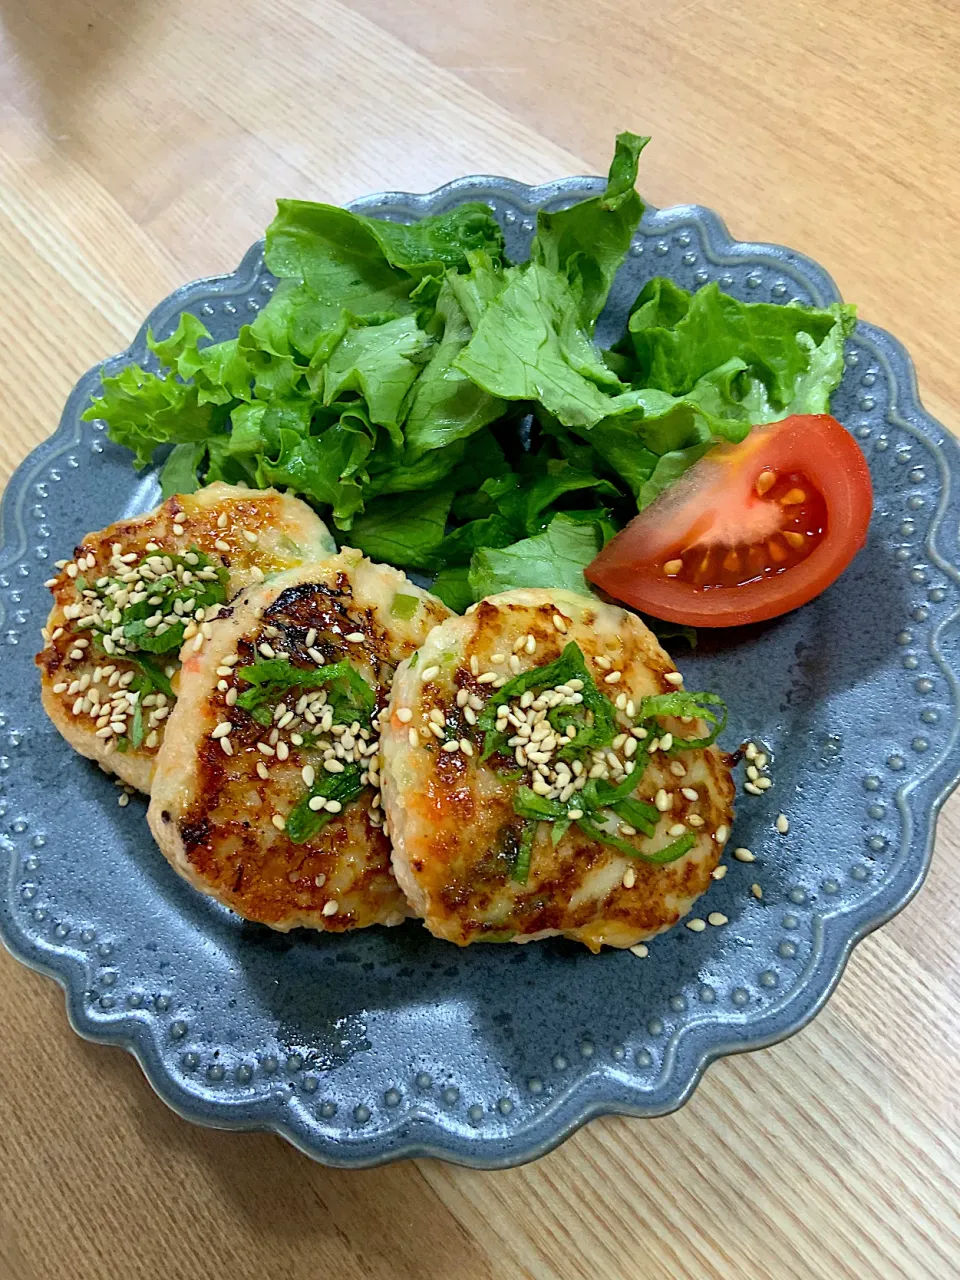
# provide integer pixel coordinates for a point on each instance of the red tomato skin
(629, 568)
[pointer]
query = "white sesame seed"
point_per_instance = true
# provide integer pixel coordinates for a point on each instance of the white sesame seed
(466, 746)
(222, 520)
(404, 715)
(678, 829)
(696, 925)
(265, 748)
(450, 746)
(334, 806)
(614, 677)
(721, 834)
(474, 666)
(178, 530)
(756, 891)
(256, 573)
(677, 769)
(316, 803)
(488, 677)
(744, 855)
(750, 751)
(662, 800)
(764, 784)
(333, 766)
(197, 642)
(262, 770)
(413, 738)
(666, 742)
(250, 536)
(267, 650)
(355, 637)
(689, 793)
(530, 646)
(560, 623)
(641, 951)
(753, 773)
(308, 774)
(719, 872)
(226, 746)
(283, 751)
(673, 677)
(629, 878)
(574, 814)
(514, 664)
(752, 789)
(761, 760)
(221, 545)
(222, 729)
(783, 824)
(717, 918)
(331, 908)
(694, 820)
(279, 821)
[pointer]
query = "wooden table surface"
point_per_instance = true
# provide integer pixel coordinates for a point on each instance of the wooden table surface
(142, 144)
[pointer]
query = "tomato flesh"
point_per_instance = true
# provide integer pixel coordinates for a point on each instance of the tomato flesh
(800, 517)
(749, 532)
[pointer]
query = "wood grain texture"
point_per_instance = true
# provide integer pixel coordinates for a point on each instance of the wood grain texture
(142, 144)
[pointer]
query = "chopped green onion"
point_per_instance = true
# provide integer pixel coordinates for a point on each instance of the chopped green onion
(404, 607)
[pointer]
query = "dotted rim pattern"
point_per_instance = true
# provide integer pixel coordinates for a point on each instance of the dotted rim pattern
(610, 1081)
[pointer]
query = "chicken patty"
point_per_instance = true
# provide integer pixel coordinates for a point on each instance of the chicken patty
(138, 590)
(544, 773)
(266, 794)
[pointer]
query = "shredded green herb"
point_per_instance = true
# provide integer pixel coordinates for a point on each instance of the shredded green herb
(304, 822)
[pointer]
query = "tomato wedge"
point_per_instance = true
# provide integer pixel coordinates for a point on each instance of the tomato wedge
(751, 531)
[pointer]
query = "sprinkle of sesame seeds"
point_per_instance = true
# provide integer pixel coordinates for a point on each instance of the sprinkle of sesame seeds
(574, 814)
(474, 665)
(452, 745)
(666, 742)
(488, 677)
(333, 766)
(265, 748)
(267, 650)
(764, 784)
(719, 872)
(662, 801)
(560, 623)
(629, 878)
(178, 530)
(316, 656)
(721, 834)
(696, 925)
(641, 951)
(694, 820)
(466, 746)
(744, 855)
(689, 793)
(531, 645)
(279, 821)
(463, 697)
(756, 891)
(783, 824)
(221, 545)
(283, 751)
(678, 769)
(752, 789)
(761, 760)
(355, 637)
(614, 677)
(152, 739)
(717, 918)
(222, 520)
(222, 729)
(308, 774)
(678, 829)
(250, 536)
(331, 908)
(226, 746)
(673, 677)
(316, 803)
(413, 738)
(514, 664)
(603, 662)
(197, 642)
(750, 751)
(404, 715)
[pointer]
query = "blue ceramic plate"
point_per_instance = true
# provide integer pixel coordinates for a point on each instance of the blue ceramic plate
(364, 1048)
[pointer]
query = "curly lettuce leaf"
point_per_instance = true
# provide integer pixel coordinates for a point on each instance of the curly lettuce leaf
(404, 531)
(555, 558)
(587, 242)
